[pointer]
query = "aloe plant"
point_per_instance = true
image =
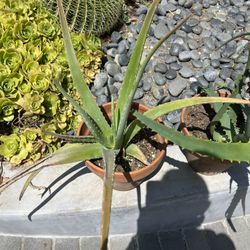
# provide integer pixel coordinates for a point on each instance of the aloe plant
(108, 140)
(232, 123)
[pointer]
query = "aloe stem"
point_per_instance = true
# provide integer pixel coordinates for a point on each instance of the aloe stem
(157, 46)
(109, 162)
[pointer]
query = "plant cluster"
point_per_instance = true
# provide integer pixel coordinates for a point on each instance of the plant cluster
(31, 56)
(232, 122)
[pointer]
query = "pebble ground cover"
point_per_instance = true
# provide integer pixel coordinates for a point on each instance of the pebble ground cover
(189, 60)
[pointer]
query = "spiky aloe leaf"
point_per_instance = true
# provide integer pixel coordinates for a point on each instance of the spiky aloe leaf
(71, 138)
(223, 151)
(75, 152)
(129, 86)
(135, 126)
(134, 151)
(109, 163)
(88, 103)
(91, 124)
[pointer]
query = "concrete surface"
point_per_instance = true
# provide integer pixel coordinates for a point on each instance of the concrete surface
(175, 198)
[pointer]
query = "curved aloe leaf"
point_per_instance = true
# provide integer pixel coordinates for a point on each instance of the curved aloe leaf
(88, 103)
(134, 151)
(128, 88)
(75, 152)
(165, 108)
(91, 124)
(223, 151)
(71, 138)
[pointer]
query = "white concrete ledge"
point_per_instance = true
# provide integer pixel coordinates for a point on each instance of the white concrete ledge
(173, 197)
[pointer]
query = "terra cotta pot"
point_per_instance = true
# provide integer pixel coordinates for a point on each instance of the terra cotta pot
(124, 181)
(200, 163)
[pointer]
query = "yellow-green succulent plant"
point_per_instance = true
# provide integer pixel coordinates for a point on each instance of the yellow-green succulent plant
(31, 56)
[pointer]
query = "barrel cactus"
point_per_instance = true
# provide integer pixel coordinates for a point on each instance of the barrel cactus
(90, 16)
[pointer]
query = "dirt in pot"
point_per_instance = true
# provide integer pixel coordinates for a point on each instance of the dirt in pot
(197, 120)
(146, 141)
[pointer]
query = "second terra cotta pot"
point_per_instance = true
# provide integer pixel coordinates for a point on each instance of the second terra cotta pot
(200, 163)
(124, 181)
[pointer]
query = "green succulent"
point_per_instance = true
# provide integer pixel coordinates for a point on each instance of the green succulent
(31, 57)
(7, 110)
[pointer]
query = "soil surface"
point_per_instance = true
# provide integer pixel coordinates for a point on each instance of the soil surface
(197, 120)
(146, 141)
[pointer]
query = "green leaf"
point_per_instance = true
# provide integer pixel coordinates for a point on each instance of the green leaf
(88, 103)
(129, 85)
(91, 124)
(174, 105)
(223, 151)
(134, 151)
(76, 139)
(75, 152)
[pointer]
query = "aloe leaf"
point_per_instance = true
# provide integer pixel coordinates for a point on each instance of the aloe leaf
(88, 103)
(134, 151)
(135, 126)
(75, 152)
(109, 163)
(28, 182)
(71, 138)
(223, 151)
(91, 124)
(129, 85)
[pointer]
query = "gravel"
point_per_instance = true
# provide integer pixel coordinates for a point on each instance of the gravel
(191, 59)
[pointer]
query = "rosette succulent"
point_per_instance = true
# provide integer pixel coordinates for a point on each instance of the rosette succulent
(31, 56)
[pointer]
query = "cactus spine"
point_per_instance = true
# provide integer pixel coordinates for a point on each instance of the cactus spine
(90, 16)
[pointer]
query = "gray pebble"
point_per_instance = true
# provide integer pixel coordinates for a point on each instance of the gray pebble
(175, 66)
(116, 37)
(100, 80)
(157, 93)
(185, 56)
(175, 49)
(197, 63)
(159, 79)
(170, 59)
(119, 77)
(176, 86)
(171, 74)
(225, 73)
(138, 94)
(192, 44)
(160, 30)
(161, 68)
(186, 72)
(112, 68)
(123, 59)
(174, 116)
(210, 74)
(197, 30)
(147, 83)
(141, 10)
(215, 63)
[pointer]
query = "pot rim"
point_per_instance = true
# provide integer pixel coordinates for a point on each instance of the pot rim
(160, 153)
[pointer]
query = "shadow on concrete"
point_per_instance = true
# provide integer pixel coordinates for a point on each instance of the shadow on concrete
(239, 175)
(174, 212)
(83, 170)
